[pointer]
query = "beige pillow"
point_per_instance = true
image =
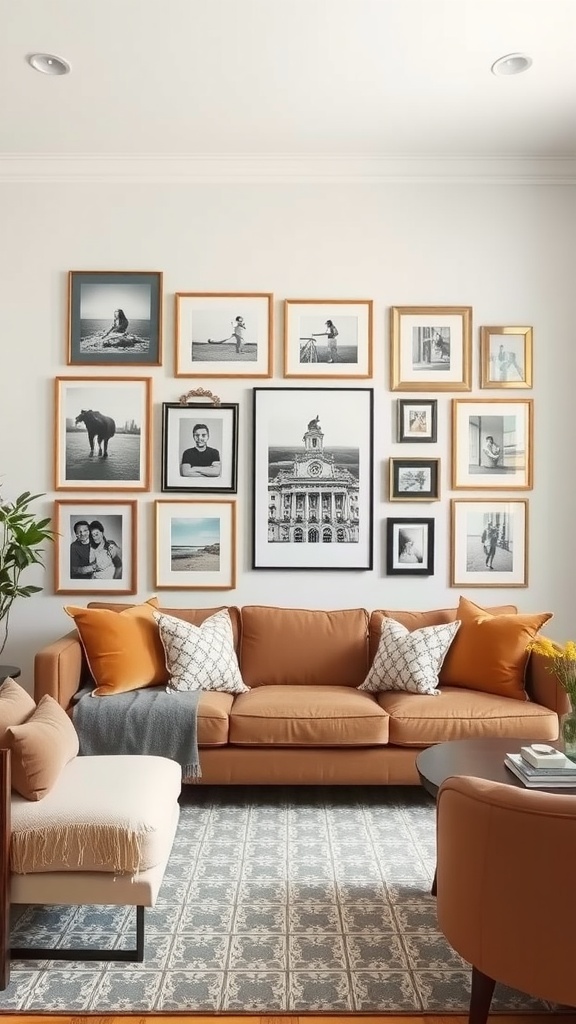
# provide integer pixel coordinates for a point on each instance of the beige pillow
(41, 747)
(16, 705)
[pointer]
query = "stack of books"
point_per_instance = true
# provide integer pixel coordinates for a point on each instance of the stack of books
(560, 773)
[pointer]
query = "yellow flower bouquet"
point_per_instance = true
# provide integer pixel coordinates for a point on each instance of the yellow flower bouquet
(562, 663)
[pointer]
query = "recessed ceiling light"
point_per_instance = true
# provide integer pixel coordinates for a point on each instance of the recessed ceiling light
(48, 64)
(511, 64)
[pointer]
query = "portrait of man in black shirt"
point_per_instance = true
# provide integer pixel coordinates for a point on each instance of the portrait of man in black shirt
(200, 460)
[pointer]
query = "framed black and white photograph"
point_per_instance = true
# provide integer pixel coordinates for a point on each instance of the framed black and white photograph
(224, 334)
(313, 478)
(492, 444)
(489, 541)
(410, 547)
(95, 547)
(114, 318)
(506, 357)
(196, 544)
(417, 420)
(414, 479)
(102, 433)
(199, 447)
(325, 338)
(430, 348)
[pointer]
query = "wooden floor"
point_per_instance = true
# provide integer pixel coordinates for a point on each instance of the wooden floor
(181, 1018)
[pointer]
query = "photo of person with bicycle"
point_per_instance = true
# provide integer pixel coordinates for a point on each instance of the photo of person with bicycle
(312, 351)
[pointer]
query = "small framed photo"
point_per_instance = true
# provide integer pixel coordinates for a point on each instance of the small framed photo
(506, 357)
(410, 547)
(325, 338)
(199, 447)
(102, 432)
(414, 479)
(313, 478)
(430, 348)
(492, 444)
(96, 547)
(417, 420)
(114, 318)
(196, 545)
(489, 541)
(224, 334)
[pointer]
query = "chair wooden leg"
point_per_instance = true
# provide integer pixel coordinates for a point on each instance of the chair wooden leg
(480, 997)
(5, 829)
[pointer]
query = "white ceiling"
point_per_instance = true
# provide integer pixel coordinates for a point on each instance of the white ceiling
(336, 85)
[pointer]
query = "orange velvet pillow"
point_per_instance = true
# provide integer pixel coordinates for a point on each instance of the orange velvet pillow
(489, 651)
(40, 747)
(16, 705)
(123, 649)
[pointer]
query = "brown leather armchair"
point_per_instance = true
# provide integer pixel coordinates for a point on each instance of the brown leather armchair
(506, 898)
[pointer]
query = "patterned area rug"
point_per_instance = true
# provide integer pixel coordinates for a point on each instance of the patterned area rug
(275, 899)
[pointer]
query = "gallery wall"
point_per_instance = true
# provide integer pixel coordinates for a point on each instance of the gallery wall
(503, 249)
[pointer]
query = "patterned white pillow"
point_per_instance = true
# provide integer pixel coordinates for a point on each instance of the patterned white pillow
(409, 661)
(201, 657)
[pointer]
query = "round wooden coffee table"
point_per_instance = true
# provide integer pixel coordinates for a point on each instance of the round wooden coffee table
(483, 759)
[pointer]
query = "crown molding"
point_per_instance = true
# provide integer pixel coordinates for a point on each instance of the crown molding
(154, 168)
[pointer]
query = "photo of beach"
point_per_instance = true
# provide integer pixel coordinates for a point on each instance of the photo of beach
(195, 545)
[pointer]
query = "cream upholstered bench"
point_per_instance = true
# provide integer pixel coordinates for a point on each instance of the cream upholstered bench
(102, 835)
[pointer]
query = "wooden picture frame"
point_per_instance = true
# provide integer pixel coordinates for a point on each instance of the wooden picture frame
(313, 478)
(414, 479)
(224, 334)
(506, 357)
(328, 338)
(190, 434)
(93, 561)
(417, 420)
(492, 444)
(409, 547)
(489, 542)
(114, 318)
(195, 544)
(430, 348)
(102, 433)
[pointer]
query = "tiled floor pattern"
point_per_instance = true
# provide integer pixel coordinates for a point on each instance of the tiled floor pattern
(298, 899)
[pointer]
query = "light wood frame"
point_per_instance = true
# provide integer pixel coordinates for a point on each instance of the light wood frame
(430, 348)
(344, 329)
(119, 519)
(206, 345)
(471, 548)
(506, 357)
(492, 444)
(203, 524)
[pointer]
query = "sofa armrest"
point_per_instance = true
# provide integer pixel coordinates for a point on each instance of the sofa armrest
(543, 686)
(58, 669)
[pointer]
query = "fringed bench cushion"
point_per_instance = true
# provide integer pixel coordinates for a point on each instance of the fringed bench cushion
(109, 813)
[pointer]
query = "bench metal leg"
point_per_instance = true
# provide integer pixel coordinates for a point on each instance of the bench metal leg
(86, 952)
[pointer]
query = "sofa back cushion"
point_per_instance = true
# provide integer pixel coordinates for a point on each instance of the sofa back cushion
(418, 620)
(194, 615)
(301, 647)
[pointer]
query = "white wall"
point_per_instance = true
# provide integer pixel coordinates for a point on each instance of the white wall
(506, 250)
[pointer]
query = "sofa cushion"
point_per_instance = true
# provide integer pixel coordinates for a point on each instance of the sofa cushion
(122, 648)
(200, 657)
(490, 652)
(193, 615)
(419, 620)
(307, 716)
(409, 661)
(213, 718)
(300, 647)
(40, 747)
(16, 705)
(459, 714)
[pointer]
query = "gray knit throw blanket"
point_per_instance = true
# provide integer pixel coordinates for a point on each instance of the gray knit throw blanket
(147, 721)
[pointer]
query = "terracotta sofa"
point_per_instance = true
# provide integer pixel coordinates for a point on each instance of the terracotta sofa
(304, 721)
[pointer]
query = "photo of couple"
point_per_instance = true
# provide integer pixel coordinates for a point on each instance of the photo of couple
(95, 554)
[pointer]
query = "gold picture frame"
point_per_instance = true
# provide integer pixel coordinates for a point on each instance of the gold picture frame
(492, 444)
(489, 542)
(506, 357)
(430, 348)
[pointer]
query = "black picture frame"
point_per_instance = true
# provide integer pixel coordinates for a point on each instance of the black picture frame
(417, 420)
(179, 421)
(97, 336)
(414, 479)
(418, 558)
(313, 478)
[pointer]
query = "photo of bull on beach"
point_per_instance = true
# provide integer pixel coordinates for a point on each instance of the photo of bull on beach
(195, 545)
